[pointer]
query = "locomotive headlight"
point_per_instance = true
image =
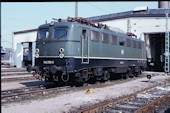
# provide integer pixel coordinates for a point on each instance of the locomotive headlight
(37, 50)
(61, 52)
(36, 55)
(61, 55)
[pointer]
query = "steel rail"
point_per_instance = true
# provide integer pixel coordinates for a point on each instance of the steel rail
(30, 94)
(17, 79)
(152, 106)
(102, 106)
(5, 93)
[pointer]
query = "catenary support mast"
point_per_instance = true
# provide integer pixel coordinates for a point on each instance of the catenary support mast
(167, 47)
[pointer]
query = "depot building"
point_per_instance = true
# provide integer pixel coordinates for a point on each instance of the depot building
(150, 25)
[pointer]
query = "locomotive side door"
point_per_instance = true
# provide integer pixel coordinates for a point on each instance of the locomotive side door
(85, 35)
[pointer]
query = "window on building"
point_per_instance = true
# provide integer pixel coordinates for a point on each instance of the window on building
(95, 36)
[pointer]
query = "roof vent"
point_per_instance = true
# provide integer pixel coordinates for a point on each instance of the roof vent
(140, 8)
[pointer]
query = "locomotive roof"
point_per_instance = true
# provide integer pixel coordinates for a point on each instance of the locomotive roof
(66, 23)
(127, 14)
(69, 24)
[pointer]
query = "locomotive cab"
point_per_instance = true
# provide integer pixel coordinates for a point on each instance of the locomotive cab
(48, 38)
(51, 38)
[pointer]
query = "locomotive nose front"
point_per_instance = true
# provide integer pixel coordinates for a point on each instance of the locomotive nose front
(52, 51)
(52, 72)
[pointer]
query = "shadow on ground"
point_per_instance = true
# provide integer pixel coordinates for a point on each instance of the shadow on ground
(148, 81)
(33, 83)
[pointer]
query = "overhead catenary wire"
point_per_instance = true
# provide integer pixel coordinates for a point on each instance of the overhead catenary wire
(5, 34)
(97, 7)
(18, 20)
(3, 39)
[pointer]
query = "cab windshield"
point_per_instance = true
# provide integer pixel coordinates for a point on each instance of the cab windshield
(43, 33)
(60, 33)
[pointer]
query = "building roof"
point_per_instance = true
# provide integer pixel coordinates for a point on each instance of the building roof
(25, 31)
(127, 14)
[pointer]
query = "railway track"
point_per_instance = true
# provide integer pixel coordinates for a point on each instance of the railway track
(12, 79)
(6, 93)
(28, 93)
(21, 94)
(150, 100)
(15, 74)
(3, 70)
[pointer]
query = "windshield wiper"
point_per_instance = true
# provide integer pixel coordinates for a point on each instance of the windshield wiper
(62, 35)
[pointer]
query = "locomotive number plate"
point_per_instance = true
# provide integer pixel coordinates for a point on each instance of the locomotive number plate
(48, 62)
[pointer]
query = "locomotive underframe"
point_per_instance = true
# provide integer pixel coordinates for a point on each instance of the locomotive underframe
(70, 70)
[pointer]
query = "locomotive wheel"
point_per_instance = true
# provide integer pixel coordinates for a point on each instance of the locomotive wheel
(138, 73)
(29, 68)
(124, 75)
(47, 79)
(106, 76)
(79, 81)
(130, 73)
